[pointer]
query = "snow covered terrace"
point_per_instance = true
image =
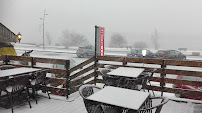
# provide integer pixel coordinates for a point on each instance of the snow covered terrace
(59, 104)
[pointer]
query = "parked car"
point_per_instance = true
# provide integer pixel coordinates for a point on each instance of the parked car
(188, 87)
(170, 54)
(87, 51)
(137, 53)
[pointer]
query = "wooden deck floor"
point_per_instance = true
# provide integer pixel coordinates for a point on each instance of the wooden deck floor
(74, 104)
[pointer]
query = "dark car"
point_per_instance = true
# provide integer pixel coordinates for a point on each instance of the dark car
(87, 51)
(137, 53)
(188, 87)
(170, 54)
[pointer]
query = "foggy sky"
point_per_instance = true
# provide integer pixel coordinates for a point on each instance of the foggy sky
(179, 22)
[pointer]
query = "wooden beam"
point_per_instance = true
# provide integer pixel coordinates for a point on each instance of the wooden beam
(183, 72)
(82, 72)
(21, 65)
(177, 81)
(145, 60)
(184, 63)
(82, 64)
(108, 58)
(50, 61)
(92, 81)
(80, 81)
(56, 91)
(19, 58)
(50, 70)
(177, 91)
(55, 81)
(75, 89)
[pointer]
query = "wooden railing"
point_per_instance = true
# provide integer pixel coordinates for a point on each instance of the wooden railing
(85, 72)
(20, 61)
(163, 71)
(68, 84)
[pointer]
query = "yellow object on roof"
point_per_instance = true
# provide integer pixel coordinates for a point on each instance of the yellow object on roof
(7, 49)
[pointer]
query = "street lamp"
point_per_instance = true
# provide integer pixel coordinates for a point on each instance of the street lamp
(19, 36)
(144, 52)
(43, 25)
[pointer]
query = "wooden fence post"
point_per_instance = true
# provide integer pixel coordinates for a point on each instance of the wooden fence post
(124, 61)
(32, 62)
(67, 66)
(162, 77)
(6, 59)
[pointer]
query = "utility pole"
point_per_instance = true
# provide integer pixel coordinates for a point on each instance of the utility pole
(43, 25)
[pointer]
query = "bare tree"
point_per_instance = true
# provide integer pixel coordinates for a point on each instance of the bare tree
(73, 39)
(49, 39)
(140, 45)
(117, 40)
(155, 38)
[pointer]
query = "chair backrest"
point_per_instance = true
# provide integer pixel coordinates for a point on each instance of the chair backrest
(158, 107)
(150, 71)
(87, 90)
(104, 74)
(132, 83)
(110, 80)
(104, 71)
(3, 84)
(19, 83)
(40, 77)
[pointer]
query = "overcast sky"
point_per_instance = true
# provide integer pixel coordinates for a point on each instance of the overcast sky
(178, 22)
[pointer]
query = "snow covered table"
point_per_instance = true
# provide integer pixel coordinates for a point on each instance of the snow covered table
(121, 97)
(127, 72)
(17, 71)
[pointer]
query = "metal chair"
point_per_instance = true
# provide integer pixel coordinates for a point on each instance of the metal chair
(147, 107)
(38, 83)
(95, 107)
(150, 72)
(133, 83)
(14, 86)
(110, 80)
(91, 106)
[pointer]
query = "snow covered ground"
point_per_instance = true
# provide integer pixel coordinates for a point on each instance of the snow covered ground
(75, 104)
